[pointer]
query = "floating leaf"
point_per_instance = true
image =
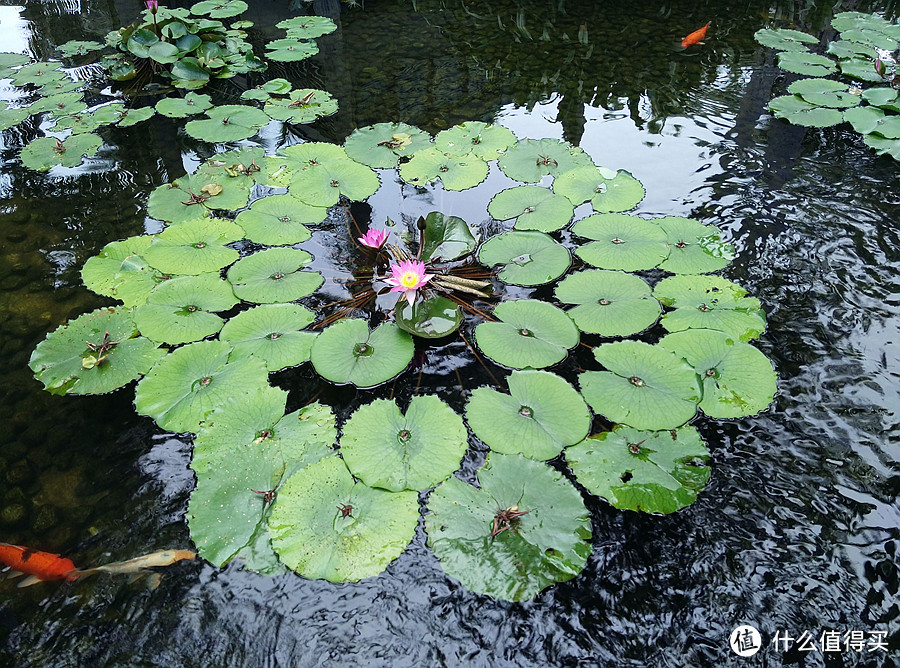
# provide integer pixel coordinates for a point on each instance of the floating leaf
(278, 220)
(347, 352)
(273, 276)
(738, 380)
(383, 144)
(883, 146)
(323, 184)
(646, 387)
(271, 332)
(609, 303)
(182, 107)
(810, 64)
(446, 238)
(429, 318)
(96, 353)
(798, 111)
(710, 302)
(862, 68)
(694, 248)
(455, 172)
(38, 74)
(486, 141)
(845, 49)
(192, 381)
(859, 20)
(193, 196)
(624, 242)
(648, 471)
(266, 90)
(541, 529)
(61, 86)
(60, 104)
(230, 122)
(784, 39)
(303, 106)
(46, 152)
(120, 271)
(530, 334)
(540, 416)
(865, 119)
(326, 526)
(11, 117)
(884, 97)
(219, 9)
(85, 122)
(871, 38)
(825, 93)
(529, 160)
(194, 247)
(290, 49)
(386, 448)
(8, 59)
(131, 117)
(180, 309)
(533, 207)
(606, 190)
(307, 27)
(527, 258)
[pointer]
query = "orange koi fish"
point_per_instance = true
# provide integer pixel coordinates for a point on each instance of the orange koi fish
(38, 566)
(696, 36)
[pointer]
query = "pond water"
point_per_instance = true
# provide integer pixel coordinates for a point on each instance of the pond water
(799, 527)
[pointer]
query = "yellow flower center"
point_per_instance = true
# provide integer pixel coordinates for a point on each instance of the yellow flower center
(409, 279)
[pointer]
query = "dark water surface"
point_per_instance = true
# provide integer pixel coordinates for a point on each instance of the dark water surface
(799, 528)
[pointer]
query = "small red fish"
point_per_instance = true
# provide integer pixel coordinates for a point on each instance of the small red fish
(696, 36)
(38, 565)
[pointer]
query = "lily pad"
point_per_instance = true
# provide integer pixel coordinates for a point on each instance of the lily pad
(825, 93)
(798, 111)
(11, 117)
(883, 146)
(486, 141)
(527, 258)
(78, 48)
(96, 353)
(8, 59)
(290, 49)
(192, 381)
(195, 246)
(429, 318)
(308, 27)
(46, 152)
(230, 122)
(533, 207)
(738, 380)
(860, 67)
(540, 416)
(710, 302)
(871, 38)
(869, 121)
(883, 97)
(131, 117)
(648, 471)
(120, 271)
(386, 448)
(646, 387)
(347, 352)
(541, 529)
(694, 248)
(326, 526)
(607, 191)
(784, 39)
(621, 241)
(182, 107)
(530, 334)
(193, 196)
(446, 238)
(180, 310)
(859, 20)
(61, 86)
(59, 104)
(529, 160)
(609, 303)
(383, 144)
(274, 275)
(302, 106)
(810, 64)
(271, 332)
(265, 91)
(454, 172)
(81, 122)
(219, 9)
(38, 74)
(278, 220)
(323, 184)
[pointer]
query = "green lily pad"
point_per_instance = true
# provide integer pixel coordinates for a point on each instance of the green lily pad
(846, 49)
(694, 248)
(347, 352)
(61, 86)
(96, 353)
(486, 141)
(46, 152)
(810, 64)
(180, 310)
(219, 9)
(529, 160)
(37, 74)
(383, 144)
(271, 332)
(530, 334)
(429, 318)
(446, 238)
(265, 91)
(646, 387)
(865, 119)
(621, 241)
(527, 258)
(290, 49)
(273, 276)
(278, 220)
(84, 122)
(302, 106)
(798, 111)
(8, 59)
(193, 196)
(240, 167)
(825, 93)
(859, 20)
(609, 303)
(454, 172)
(884, 97)
(871, 38)
(606, 190)
(710, 302)
(861, 68)
(648, 471)
(297, 157)
(131, 117)
(308, 27)
(540, 416)
(738, 380)
(883, 146)
(120, 271)
(60, 104)
(182, 107)
(230, 122)
(78, 48)
(323, 184)
(544, 541)
(784, 39)
(194, 246)
(192, 381)
(326, 526)
(11, 117)
(533, 207)
(386, 448)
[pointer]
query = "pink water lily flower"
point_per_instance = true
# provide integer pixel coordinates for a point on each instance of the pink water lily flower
(407, 277)
(152, 5)
(374, 238)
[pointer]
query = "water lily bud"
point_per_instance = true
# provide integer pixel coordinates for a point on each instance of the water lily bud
(880, 67)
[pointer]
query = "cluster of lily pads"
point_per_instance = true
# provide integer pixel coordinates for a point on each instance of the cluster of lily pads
(867, 55)
(211, 306)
